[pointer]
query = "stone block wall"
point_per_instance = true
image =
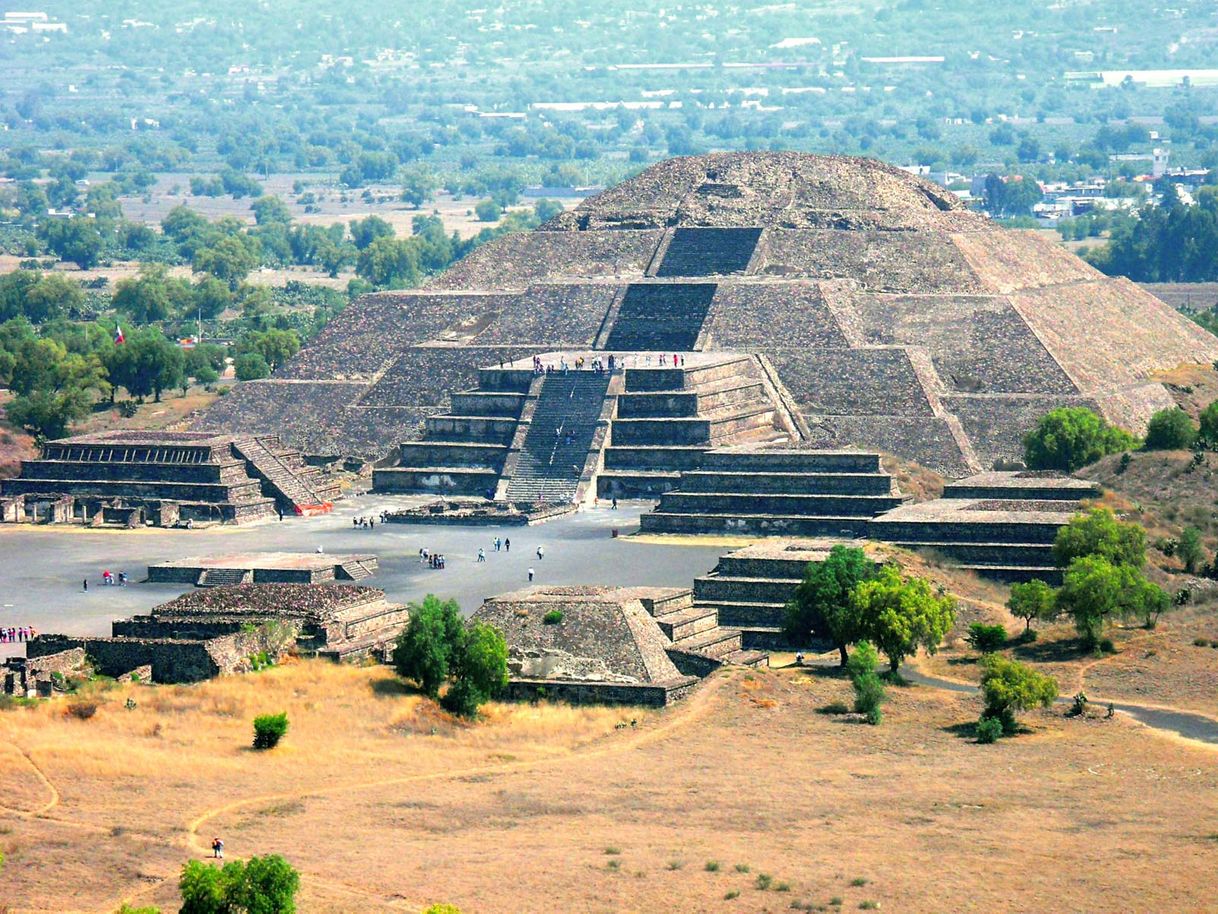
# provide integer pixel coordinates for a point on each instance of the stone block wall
(600, 693)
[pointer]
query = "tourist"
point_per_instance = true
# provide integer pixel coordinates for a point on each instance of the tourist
(507, 545)
(613, 505)
(217, 848)
(122, 579)
(530, 575)
(497, 543)
(481, 554)
(355, 522)
(86, 588)
(541, 553)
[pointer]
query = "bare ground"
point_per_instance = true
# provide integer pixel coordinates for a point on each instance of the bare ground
(552, 808)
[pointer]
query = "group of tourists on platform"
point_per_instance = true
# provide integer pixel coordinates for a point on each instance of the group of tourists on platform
(17, 634)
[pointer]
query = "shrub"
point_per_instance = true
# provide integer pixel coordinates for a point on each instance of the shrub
(443, 909)
(763, 882)
(989, 729)
(734, 893)
(1009, 686)
(462, 699)
(1170, 430)
(858, 882)
(553, 617)
(1209, 424)
(986, 638)
(712, 866)
(1201, 642)
(1071, 437)
(1106, 646)
(868, 687)
(1190, 550)
(263, 885)
(82, 710)
(612, 850)
(269, 729)
(742, 867)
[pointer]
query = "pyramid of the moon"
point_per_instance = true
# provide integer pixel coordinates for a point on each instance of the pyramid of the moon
(887, 315)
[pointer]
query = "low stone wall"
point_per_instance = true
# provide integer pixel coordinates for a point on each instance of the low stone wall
(600, 693)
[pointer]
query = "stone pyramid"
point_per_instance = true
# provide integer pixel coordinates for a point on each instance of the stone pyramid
(893, 317)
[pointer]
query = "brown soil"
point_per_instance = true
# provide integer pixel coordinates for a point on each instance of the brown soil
(552, 808)
(1194, 387)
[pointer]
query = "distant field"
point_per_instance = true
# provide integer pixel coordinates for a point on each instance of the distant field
(560, 809)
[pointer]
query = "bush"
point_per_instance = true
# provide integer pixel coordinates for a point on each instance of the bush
(986, 638)
(763, 882)
(712, 866)
(1190, 550)
(82, 710)
(269, 729)
(1106, 646)
(868, 687)
(1072, 437)
(1209, 424)
(1009, 686)
(263, 885)
(1170, 430)
(989, 729)
(553, 617)
(462, 699)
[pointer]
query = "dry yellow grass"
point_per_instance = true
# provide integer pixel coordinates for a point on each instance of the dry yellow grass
(384, 803)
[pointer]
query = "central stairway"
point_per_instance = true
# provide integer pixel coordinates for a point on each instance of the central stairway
(558, 437)
(294, 485)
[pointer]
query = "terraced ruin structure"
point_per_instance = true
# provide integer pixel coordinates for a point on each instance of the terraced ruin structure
(825, 301)
(611, 645)
(166, 478)
(221, 630)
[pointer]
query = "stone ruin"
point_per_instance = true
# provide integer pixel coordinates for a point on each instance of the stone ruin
(130, 478)
(861, 307)
(610, 645)
(221, 630)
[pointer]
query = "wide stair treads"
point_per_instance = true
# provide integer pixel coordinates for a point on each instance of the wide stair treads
(358, 569)
(750, 588)
(708, 251)
(661, 317)
(699, 642)
(559, 437)
(222, 577)
(462, 452)
(776, 492)
(293, 484)
(668, 416)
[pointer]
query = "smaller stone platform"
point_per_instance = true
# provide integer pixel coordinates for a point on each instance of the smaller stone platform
(610, 645)
(1024, 485)
(480, 513)
(264, 568)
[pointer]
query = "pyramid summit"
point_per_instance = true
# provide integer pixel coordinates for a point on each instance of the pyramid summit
(873, 310)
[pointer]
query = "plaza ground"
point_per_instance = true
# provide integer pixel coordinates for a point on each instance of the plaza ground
(44, 567)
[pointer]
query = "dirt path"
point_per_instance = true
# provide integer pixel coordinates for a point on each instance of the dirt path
(693, 709)
(52, 791)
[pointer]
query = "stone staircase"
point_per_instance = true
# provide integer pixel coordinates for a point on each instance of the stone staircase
(660, 317)
(699, 643)
(560, 433)
(750, 587)
(668, 417)
(750, 491)
(708, 251)
(222, 577)
(358, 569)
(293, 484)
(463, 452)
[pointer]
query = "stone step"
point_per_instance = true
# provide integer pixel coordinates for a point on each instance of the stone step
(687, 622)
(754, 525)
(438, 480)
(452, 454)
(793, 461)
(488, 403)
(712, 588)
(222, 577)
(642, 484)
(765, 638)
(472, 429)
(787, 483)
(715, 642)
(658, 457)
(1038, 554)
(747, 657)
(680, 501)
(688, 378)
(667, 605)
(1011, 574)
(901, 532)
(748, 613)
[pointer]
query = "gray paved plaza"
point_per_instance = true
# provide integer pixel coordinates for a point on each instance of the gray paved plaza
(43, 567)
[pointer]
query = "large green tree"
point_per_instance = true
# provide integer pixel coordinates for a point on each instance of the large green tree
(147, 363)
(1071, 437)
(1009, 686)
(899, 614)
(424, 650)
(1097, 532)
(821, 606)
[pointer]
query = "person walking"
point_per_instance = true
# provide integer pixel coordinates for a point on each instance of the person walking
(530, 575)
(541, 553)
(86, 586)
(481, 554)
(613, 506)
(507, 545)
(217, 849)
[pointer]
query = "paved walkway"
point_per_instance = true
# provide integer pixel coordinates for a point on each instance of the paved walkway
(44, 567)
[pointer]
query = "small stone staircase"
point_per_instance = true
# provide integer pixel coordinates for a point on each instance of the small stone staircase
(358, 569)
(699, 642)
(559, 436)
(293, 484)
(222, 577)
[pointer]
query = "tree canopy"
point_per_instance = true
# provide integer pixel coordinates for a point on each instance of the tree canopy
(821, 607)
(1071, 437)
(899, 614)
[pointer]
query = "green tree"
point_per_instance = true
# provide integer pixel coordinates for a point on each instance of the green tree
(1032, 600)
(1072, 437)
(77, 239)
(269, 210)
(1190, 549)
(479, 665)
(389, 263)
(274, 345)
(821, 605)
(488, 210)
(1170, 430)
(1098, 532)
(269, 729)
(52, 296)
(230, 259)
(210, 298)
(868, 687)
(263, 885)
(367, 230)
(418, 186)
(1209, 425)
(147, 363)
(424, 650)
(153, 295)
(48, 413)
(1094, 591)
(250, 366)
(1009, 686)
(900, 614)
